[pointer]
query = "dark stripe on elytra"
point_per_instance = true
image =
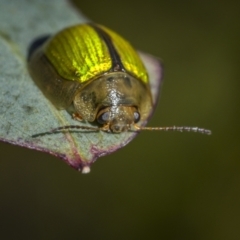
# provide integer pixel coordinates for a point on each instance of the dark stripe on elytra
(116, 61)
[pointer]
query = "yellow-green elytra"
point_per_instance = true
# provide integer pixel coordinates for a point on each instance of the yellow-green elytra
(96, 75)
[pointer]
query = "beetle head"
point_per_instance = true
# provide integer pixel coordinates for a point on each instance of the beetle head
(118, 118)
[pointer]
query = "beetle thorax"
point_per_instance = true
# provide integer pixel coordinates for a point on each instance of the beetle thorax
(116, 100)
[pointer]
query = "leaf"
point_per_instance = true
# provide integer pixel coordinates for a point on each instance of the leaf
(24, 111)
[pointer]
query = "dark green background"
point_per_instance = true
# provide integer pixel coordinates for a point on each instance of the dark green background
(161, 185)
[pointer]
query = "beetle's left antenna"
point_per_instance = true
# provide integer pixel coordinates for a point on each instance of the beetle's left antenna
(175, 128)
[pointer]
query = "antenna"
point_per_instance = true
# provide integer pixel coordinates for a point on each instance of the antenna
(177, 129)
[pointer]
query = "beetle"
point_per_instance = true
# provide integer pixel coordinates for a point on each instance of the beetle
(97, 76)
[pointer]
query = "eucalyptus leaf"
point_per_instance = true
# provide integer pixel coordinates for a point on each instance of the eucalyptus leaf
(24, 111)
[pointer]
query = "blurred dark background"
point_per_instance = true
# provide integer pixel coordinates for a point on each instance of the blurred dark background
(161, 185)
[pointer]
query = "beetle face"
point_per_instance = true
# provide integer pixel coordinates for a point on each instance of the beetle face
(118, 118)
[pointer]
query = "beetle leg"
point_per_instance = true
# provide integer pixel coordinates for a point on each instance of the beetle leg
(106, 127)
(77, 117)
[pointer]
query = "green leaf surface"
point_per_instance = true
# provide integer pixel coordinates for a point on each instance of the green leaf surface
(24, 111)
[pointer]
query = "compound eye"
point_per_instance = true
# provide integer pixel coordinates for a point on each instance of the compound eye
(104, 117)
(136, 116)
